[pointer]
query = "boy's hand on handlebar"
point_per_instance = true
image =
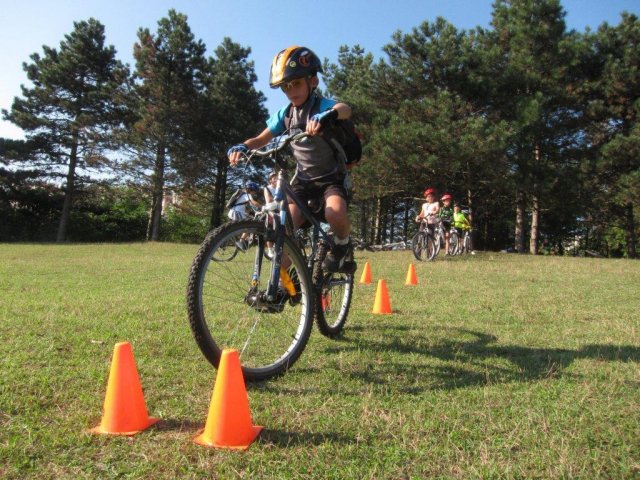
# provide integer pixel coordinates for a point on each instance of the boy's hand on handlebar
(320, 120)
(235, 152)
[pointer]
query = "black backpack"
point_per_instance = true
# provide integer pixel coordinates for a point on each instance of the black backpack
(343, 132)
(234, 198)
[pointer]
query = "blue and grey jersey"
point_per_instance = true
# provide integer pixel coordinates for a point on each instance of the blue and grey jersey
(314, 156)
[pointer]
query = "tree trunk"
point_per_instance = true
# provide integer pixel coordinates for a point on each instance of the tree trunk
(153, 233)
(535, 222)
(534, 233)
(392, 225)
(377, 229)
(219, 194)
(631, 231)
(405, 227)
(364, 220)
(519, 244)
(68, 192)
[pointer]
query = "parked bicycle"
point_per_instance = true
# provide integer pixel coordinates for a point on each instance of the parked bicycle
(264, 308)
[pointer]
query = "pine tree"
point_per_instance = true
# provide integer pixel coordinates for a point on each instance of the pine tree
(528, 70)
(614, 111)
(168, 89)
(234, 111)
(68, 112)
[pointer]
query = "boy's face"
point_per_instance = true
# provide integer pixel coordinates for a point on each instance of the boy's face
(298, 90)
(446, 202)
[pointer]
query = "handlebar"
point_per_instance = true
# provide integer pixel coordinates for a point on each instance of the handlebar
(278, 144)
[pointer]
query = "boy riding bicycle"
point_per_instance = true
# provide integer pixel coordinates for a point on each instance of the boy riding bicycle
(460, 220)
(429, 210)
(319, 173)
(446, 216)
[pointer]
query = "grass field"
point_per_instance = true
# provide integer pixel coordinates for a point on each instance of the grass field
(494, 366)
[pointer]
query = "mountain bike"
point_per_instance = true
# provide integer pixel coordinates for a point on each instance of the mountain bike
(262, 307)
(423, 243)
(465, 243)
(454, 242)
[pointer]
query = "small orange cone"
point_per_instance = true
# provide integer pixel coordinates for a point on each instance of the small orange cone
(412, 278)
(125, 412)
(229, 420)
(366, 274)
(326, 301)
(382, 304)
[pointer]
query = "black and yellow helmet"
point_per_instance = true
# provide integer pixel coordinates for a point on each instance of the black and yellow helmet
(291, 63)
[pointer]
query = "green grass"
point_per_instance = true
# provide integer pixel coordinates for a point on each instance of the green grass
(494, 366)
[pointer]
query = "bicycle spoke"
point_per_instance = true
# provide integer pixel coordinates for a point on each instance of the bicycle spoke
(231, 310)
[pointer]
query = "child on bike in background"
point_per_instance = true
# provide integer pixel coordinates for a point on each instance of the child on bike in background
(319, 173)
(446, 217)
(460, 220)
(270, 188)
(242, 201)
(429, 210)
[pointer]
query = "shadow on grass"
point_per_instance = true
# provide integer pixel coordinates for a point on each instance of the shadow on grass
(285, 439)
(179, 425)
(463, 363)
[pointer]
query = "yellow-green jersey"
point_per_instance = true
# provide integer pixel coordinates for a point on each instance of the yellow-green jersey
(460, 221)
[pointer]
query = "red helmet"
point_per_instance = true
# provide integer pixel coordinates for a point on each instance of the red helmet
(446, 196)
(429, 191)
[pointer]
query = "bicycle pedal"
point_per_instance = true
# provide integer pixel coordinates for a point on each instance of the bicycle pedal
(349, 267)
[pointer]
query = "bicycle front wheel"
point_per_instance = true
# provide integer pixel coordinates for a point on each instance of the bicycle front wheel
(454, 243)
(423, 247)
(227, 303)
(333, 297)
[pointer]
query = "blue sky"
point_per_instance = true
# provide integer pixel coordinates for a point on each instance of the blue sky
(265, 26)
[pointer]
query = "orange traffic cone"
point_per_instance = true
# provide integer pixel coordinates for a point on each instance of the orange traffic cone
(366, 274)
(125, 412)
(326, 301)
(382, 304)
(412, 278)
(229, 420)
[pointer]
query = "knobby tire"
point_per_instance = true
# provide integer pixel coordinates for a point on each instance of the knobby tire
(223, 312)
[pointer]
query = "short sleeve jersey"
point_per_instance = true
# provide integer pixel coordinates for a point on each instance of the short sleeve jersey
(314, 156)
(460, 220)
(446, 213)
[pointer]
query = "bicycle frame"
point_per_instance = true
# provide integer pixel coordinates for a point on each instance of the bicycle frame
(283, 224)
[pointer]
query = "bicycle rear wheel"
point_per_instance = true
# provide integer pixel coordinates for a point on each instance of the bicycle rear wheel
(467, 243)
(227, 306)
(333, 296)
(438, 243)
(228, 251)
